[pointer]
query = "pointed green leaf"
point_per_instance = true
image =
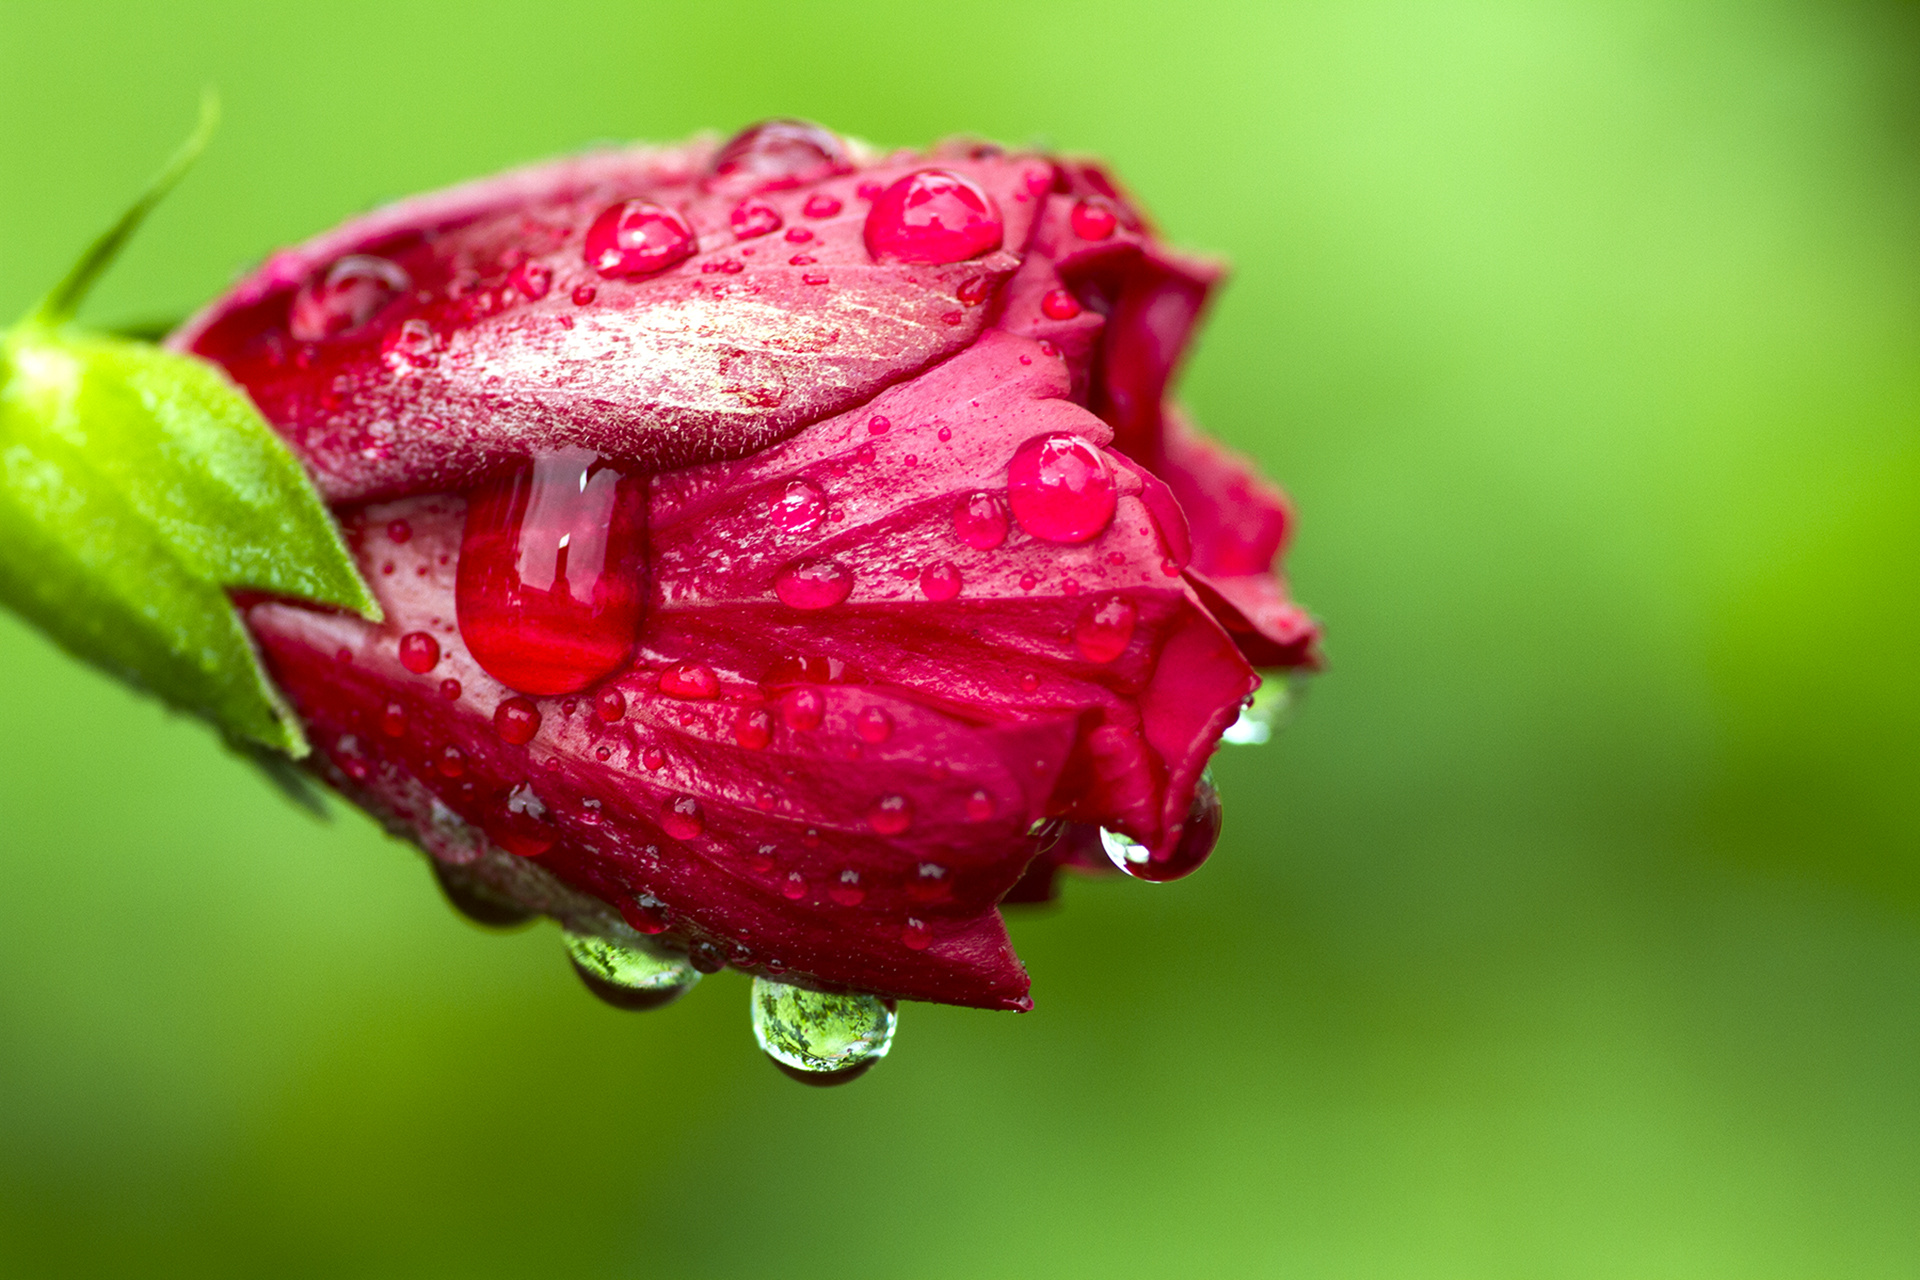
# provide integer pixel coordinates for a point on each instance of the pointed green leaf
(135, 487)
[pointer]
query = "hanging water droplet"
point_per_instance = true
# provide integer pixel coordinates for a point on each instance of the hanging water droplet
(932, 216)
(630, 976)
(551, 582)
(818, 1038)
(354, 290)
(472, 898)
(1263, 713)
(1122, 850)
(637, 238)
(1061, 488)
(1198, 834)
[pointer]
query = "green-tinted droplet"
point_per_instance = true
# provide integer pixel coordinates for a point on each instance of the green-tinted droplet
(630, 977)
(820, 1038)
(1265, 712)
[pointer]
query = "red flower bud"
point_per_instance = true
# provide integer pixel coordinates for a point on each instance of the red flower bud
(793, 612)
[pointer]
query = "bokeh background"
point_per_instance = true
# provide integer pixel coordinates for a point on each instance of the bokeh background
(1572, 929)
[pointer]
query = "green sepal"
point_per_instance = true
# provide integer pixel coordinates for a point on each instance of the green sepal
(136, 488)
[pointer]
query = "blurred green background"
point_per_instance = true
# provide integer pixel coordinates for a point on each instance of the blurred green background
(1573, 929)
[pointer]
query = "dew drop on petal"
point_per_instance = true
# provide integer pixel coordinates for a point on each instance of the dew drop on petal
(516, 720)
(981, 521)
(550, 587)
(681, 818)
(450, 763)
(450, 690)
(794, 886)
(799, 507)
(821, 1038)
(1092, 219)
(419, 652)
(890, 815)
(653, 758)
(820, 205)
(753, 219)
(803, 709)
(979, 807)
(915, 936)
(932, 216)
(940, 581)
(637, 238)
(399, 532)
(1059, 304)
(1105, 628)
(353, 291)
(1061, 488)
(845, 889)
(690, 682)
(753, 728)
(813, 584)
(873, 725)
(610, 705)
(776, 154)
(629, 976)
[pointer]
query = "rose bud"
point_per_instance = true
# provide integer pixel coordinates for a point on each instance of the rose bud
(787, 553)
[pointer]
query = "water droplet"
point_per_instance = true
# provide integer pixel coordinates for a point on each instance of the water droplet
(890, 815)
(584, 294)
(603, 753)
(873, 725)
(1092, 219)
(393, 720)
(879, 424)
(706, 957)
(933, 216)
(752, 728)
(690, 681)
(812, 278)
(630, 976)
(794, 886)
(1105, 628)
(1061, 488)
(654, 759)
(419, 652)
(1263, 713)
(869, 190)
(399, 532)
(776, 154)
(820, 1038)
(975, 291)
(637, 238)
(1198, 834)
(803, 709)
(820, 205)
(452, 762)
(476, 900)
(798, 235)
(930, 883)
(354, 290)
(1029, 683)
(1059, 304)
(523, 829)
(551, 582)
(800, 507)
(946, 434)
(979, 807)
(940, 581)
(516, 721)
(753, 219)
(980, 520)
(1028, 582)
(610, 705)
(846, 890)
(531, 280)
(450, 690)
(681, 818)
(916, 936)
(813, 584)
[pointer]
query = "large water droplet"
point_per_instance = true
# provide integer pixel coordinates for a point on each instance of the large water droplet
(516, 720)
(472, 898)
(799, 507)
(1092, 219)
(1198, 834)
(354, 290)
(813, 584)
(552, 576)
(818, 1038)
(628, 976)
(690, 682)
(776, 154)
(980, 520)
(1061, 488)
(932, 215)
(1105, 628)
(803, 709)
(638, 238)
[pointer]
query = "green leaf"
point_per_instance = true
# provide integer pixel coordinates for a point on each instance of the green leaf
(135, 487)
